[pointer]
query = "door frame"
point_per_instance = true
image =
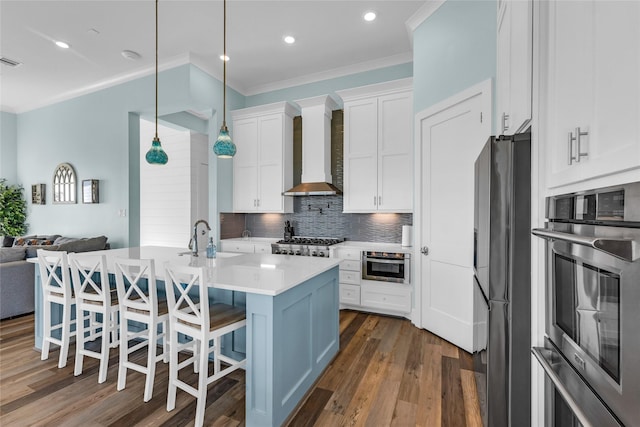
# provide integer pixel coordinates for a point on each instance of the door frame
(485, 90)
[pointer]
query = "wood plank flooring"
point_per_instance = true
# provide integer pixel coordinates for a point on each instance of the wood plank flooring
(387, 373)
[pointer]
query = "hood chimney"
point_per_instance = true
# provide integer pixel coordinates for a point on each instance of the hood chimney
(316, 148)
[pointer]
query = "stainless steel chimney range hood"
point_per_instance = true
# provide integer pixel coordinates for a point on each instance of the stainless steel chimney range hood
(313, 189)
(316, 148)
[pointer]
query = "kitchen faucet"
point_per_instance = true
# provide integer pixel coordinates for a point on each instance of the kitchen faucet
(193, 243)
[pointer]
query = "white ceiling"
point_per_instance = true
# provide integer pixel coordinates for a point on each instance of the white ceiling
(332, 39)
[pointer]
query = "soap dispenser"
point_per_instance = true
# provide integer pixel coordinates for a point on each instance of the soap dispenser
(211, 249)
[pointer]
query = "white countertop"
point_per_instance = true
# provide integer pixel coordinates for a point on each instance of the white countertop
(251, 273)
(375, 246)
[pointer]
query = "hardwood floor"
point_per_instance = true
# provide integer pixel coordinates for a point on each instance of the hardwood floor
(387, 373)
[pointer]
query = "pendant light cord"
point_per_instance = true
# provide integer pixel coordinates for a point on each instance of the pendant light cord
(156, 69)
(224, 64)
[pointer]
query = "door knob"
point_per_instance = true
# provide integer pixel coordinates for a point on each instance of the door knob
(425, 250)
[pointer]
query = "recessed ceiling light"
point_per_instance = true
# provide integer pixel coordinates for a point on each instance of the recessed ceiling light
(289, 39)
(224, 57)
(63, 44)
(369, 16)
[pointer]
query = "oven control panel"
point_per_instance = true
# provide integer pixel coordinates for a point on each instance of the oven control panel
(605, 205)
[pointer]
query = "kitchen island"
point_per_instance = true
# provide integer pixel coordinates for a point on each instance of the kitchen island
(292, 329)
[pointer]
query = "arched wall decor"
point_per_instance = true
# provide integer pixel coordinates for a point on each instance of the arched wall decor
(64, 184)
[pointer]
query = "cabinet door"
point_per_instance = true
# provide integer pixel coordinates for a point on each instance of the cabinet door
(593, 53)
(360, 155)
(270, 167)
(395, 153)
(245, 165)
(514, 70)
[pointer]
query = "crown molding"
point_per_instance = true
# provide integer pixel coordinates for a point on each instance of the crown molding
(401, 58)
(114, 81)
(422, 15)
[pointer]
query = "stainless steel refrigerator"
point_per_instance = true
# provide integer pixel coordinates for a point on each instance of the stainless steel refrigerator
(502, 261)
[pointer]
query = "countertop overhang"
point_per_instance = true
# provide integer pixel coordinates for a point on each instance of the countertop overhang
(264, 274)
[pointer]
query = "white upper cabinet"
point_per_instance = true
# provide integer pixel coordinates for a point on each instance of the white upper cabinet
(515, 66)
(263, 164)
(590, 82)
(378, 147)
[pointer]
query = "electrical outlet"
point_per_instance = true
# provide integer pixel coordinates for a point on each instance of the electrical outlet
(122, 213)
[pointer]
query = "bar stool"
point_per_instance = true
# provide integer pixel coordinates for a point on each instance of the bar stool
(192, 316)
(94, 295)
(138, 299)
(56, 289)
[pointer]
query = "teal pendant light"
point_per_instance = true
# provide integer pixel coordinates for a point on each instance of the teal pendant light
(224, 146)
(156, 155)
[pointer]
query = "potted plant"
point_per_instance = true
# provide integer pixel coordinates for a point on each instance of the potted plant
(13, 210)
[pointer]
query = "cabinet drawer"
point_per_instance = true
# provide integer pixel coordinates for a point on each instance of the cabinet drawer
(242, 247)
(350, 254)
(349, 294)
(350, 265)
(396, 299)
(262, 248)
(352, 277)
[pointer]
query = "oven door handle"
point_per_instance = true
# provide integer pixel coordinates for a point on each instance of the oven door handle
(386, 261)
(559, 384)
(625, 249)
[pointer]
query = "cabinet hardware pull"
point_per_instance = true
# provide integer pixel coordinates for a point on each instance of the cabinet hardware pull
(425, 250)
(379, 200)
(577, 138)
(505, 126)
(375, 201)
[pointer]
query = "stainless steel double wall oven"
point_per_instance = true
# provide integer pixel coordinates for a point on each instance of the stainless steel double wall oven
(592, 348)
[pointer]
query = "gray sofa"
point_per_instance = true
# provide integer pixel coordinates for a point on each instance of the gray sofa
(17, 274)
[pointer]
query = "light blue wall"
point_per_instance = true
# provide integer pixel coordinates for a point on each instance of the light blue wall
(332, 85)
(97, 134)
(8, 147)
(453, 49)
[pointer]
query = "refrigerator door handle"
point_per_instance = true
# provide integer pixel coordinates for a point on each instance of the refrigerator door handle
(484, 296)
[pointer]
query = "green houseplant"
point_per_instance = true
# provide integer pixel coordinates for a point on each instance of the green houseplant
(13, 209)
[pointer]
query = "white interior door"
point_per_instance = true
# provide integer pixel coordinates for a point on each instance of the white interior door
(450, 137)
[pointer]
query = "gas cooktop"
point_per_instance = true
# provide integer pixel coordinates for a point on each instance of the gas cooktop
(305, 246)
(321, 241)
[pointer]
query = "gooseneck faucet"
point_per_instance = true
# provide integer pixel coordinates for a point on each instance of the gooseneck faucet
(193, 243)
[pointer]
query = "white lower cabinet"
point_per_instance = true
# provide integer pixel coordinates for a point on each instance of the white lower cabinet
(349, 275)
(349, 294)
(262, 248)
(369, 295)
(386, 296)
(245, 247)
(238, 247)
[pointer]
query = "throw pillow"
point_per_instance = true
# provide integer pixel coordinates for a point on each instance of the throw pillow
(11, 254)
(84, 245)
(7, 241)
(23, 240)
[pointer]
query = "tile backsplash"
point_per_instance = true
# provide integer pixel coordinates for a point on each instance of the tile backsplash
(318, 216)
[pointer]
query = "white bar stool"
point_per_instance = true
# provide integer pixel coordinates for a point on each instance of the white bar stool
(192, 316)
(56, 289)
(139, 302)
(95, 297)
